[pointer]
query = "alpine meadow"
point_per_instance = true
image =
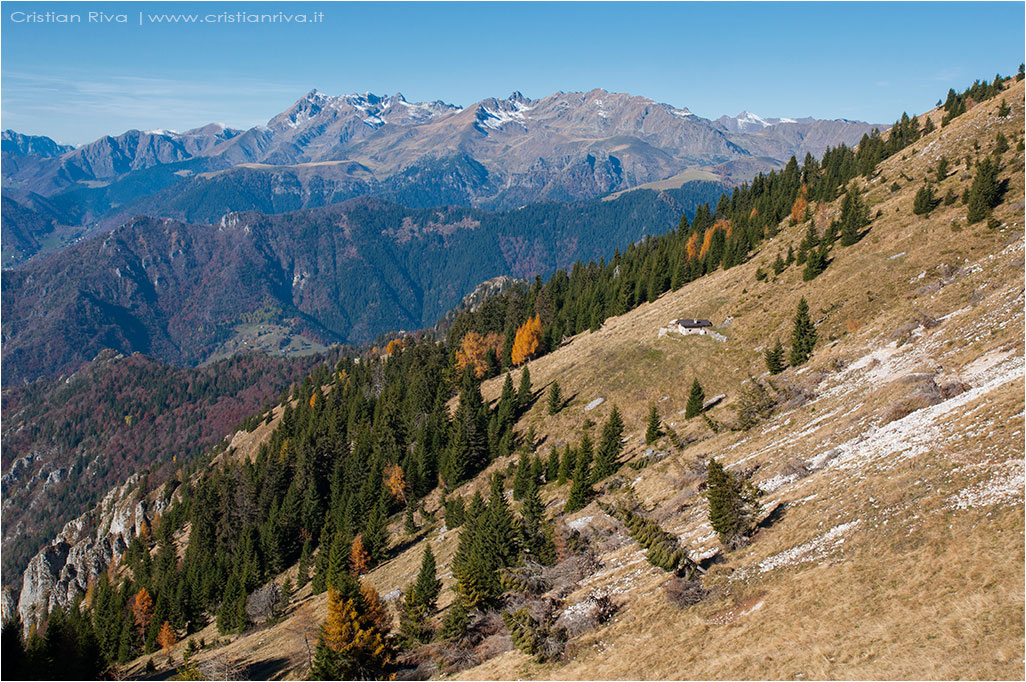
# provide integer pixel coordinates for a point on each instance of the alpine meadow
(572, 386)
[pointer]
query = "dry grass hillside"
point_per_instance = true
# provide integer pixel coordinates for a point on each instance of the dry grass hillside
(893, 463)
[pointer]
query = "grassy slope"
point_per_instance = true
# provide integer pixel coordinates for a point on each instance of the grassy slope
(901, 555)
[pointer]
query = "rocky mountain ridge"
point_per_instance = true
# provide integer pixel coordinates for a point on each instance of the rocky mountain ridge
(497, 154)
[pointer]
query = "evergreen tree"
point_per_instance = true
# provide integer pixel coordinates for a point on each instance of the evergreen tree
(733, 505)
(567, 464)
(775, 358)
(414, 628)
(303, 575)
(581, 490)
(552, 466)
(522, 476)
(941, 172)
(696, 401)
(985, 192)
(454, 511)
(425, 590)
(535, 536)
(375, 534)
(456, 622)
(925, 200)
(854, 216)
(555, 398)
(803, 335)
(652, 432)
(816, 262)
(607, 460)
(232, 615)
(524, 392)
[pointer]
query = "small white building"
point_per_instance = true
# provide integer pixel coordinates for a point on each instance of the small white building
(687, 326)
(690, 326)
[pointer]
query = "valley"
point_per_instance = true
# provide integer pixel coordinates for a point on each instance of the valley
(599, 500)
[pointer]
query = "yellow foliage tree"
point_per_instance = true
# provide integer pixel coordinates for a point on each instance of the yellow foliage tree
(692, 246)
(359, 560)
(527, 341)
(393, 345)
(799, 210)
(166, 638)
(349, 646)
(142, 610)
(375, 613)
(473, 351)
(395, 479)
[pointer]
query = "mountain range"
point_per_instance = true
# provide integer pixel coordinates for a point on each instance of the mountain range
(496, 154)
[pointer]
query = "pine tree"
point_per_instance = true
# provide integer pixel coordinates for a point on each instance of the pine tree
(376, 534)
(522, 476)
(567, 464)
(607, 460)
(454, 511)
(414, 628)
(696, 401)
(555, 399)
(425, 591)
(775, 358)
(552, 466)
(854, 216)
(925, 200)
(985, 192)
(535, 537)
(581, 491)
(941, 171)
(803, 335)
(524, 392)
(733, 504)
(652, 432)
(303, 574)
(456, 622)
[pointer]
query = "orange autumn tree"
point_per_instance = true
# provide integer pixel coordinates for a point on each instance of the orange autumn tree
(350, 646)
(395, 479)
(473, 351)
(692, 246)
(527, 341)
(142, 610)
(799, 210)
(166, 638)
(393, 346)
(359, 559)
(375, 613)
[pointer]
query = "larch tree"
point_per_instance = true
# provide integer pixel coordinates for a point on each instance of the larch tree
(527, 341)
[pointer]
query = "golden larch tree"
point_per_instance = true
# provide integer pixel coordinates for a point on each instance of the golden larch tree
(527, 341)
(166, 638)
(142, 610)
(799, 210)
(474, 349)
(359, 560)
(395, 479)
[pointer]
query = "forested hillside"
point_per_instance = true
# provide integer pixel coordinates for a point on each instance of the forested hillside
(346, 273)
(67, 441)
(497, 502)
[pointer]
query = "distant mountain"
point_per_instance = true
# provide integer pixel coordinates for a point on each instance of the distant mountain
(344, 273)
(31, 145)
(496, 154)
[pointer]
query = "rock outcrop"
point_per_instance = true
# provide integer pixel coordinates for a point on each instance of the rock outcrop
(84, 549)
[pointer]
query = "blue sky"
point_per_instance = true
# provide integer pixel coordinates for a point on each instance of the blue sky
(867, 61)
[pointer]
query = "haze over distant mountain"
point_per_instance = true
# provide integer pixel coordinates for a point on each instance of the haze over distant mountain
(495, 154)
(186, 292)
